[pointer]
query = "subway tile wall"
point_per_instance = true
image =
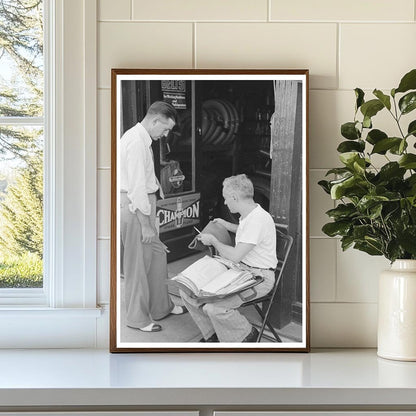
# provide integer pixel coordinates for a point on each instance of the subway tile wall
(345, 44)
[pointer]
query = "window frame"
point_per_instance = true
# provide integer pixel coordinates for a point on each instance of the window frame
(70, 208)
(37, 296)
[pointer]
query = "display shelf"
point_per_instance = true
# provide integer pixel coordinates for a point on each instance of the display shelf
(327, 379)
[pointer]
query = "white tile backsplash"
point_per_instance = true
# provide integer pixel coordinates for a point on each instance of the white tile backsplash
(376, 55)
(270, 46)
(323, 269)
(344, 44)
(114, 10)
(341, 10)
(328, 110)
(142, 45)
(357, 275)
(344, 325)
(200, 10)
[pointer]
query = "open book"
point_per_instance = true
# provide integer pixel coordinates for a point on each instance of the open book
(213, 276)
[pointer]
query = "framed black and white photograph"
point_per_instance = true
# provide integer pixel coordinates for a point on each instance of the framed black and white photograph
(209, 211)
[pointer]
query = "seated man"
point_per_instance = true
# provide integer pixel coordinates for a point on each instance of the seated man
(255, 250)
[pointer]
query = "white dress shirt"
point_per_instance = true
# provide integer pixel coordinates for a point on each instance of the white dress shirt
(137, 171)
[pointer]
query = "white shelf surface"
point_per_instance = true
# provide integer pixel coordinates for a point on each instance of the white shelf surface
(39, 378)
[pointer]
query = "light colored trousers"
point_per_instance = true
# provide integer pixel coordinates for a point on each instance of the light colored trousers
(145, 271)
(222, 317)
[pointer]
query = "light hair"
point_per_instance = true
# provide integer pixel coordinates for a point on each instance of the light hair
(163, 108)
(240, 184)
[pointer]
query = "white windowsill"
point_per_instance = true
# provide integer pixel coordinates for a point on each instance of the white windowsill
(40, 327)
(36, 312)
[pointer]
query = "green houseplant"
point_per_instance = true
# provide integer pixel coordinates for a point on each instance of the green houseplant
(376, 212)
(376, 209)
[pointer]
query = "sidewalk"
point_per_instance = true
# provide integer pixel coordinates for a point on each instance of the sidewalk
(181, 328)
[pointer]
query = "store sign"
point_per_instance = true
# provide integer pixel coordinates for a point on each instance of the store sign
(174, 92)
(178, 212)
(173, 85)
(176, 180)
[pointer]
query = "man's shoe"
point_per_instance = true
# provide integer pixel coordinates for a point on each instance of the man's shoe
(252, 336)
(212, 338)
(151, 328)
(178, 310)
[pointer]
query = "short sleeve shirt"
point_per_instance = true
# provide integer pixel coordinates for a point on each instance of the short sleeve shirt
(258, 228)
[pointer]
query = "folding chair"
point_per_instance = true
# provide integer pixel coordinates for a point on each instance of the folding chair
(283, 246)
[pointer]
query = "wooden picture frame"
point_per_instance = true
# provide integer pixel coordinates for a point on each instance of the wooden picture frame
(229, 122)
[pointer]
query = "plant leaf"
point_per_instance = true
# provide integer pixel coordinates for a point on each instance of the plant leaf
(348, 158)
(359, 165)
(367, 122)
(390, 170)
(338, 171)
(374, 242)
(411, 182)
(399, 148)
(350, 187)
(368, 248)
(342, 211)
(349, 131)
(411, 130)
(383, 145)
(338, 189)
(371, 108)
(375, 136)
(407, 239)
(342, 179)
(336, 228)
(394, 251)
(375, 212)
(359, 95)
(402, 147)
(408, 161)
(408, 82)
(346, 242)
(368, 201)
(349, 146)
(385, 99)
(408, 102)
(361, 231)
(325, 186)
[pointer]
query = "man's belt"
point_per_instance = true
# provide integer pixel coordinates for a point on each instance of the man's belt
(148, 193)
(259, 268)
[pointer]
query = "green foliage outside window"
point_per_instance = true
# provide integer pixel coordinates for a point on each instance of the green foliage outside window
(21, 146)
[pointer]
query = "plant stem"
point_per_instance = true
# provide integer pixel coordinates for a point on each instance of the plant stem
(397, 118)
(388, 234)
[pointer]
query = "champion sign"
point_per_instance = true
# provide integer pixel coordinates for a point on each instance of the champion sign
(178, 212)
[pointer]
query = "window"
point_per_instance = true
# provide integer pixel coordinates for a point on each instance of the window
(22, 139)
(64, 312)
(65, 128)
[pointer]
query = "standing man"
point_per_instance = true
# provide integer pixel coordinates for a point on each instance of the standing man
(255, 250)
(144, 260)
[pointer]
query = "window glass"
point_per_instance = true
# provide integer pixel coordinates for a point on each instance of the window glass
(21, 143)
(177, 149)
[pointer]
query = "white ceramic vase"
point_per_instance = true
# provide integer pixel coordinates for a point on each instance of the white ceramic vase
(397, 312)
